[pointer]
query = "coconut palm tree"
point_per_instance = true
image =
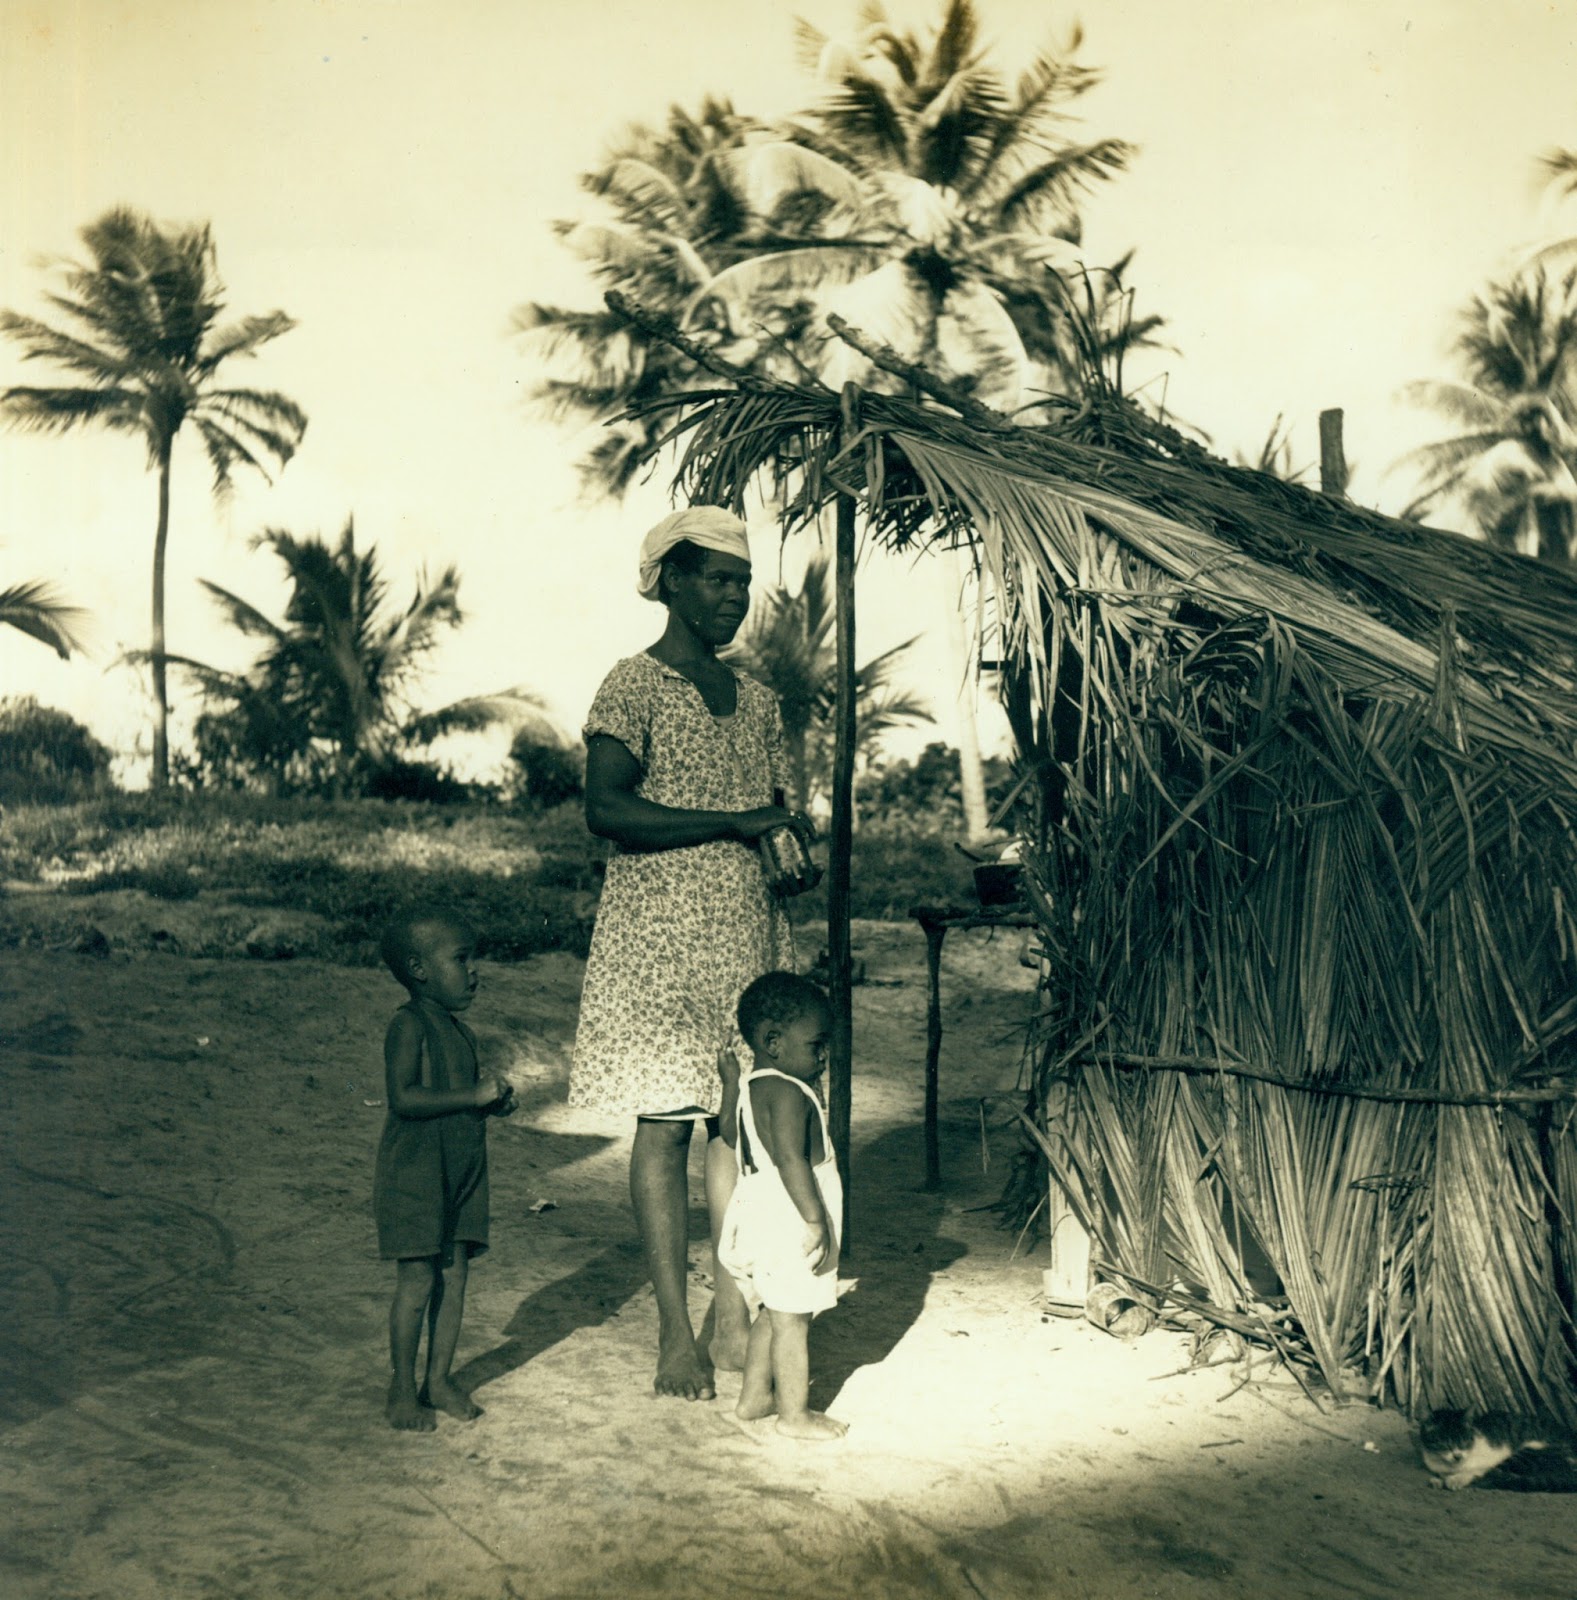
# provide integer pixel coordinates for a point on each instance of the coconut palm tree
(674, 217)
(1512, 466)
(337, 672)
(924, 199)
(141, 337)
(35, 609)
(788, 644)
(959, 250)
(948, 207)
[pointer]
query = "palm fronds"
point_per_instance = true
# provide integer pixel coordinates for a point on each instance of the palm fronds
(919, 196)
(1516, 452)
(35, 609)
(514, 708)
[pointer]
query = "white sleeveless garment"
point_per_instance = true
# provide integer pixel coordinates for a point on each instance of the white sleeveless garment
(762, 1243)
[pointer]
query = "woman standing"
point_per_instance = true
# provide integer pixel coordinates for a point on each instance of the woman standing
(684, 773)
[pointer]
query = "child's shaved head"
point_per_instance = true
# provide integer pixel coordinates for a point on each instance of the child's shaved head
(411, 934)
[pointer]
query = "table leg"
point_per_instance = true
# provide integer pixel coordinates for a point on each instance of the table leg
(933, 1052)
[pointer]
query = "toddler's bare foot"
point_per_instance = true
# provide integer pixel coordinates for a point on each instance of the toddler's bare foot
(754, 1404)
(681, 1372)
(812, 1425)
(404, 1410)
(444, 1396)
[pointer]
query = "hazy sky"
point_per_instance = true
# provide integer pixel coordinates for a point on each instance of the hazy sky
(1320, 186)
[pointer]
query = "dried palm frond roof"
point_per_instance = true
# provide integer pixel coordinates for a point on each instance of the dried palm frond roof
(1381, 603)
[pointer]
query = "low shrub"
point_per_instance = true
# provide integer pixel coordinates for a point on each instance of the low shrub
(47, 756)
(418, 780)
(547, 773)
(512, 918)
(893, 868)
(926, 792)
(163, 882)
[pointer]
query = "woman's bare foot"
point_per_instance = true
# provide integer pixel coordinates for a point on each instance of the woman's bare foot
(728, 1354)
(444, 1396)
(405, 1410)
(724, 1339)
(812, 1425)
(681, 1372)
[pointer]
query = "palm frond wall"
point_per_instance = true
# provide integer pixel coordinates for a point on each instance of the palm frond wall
(1305, 866)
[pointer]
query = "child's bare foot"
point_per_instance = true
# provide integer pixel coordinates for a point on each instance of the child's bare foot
(812, 1425)
(681, 1372)
(754, 1404)
(405, 1410)
(444, 1396)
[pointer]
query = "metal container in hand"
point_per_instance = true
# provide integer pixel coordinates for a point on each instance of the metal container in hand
(787, 861)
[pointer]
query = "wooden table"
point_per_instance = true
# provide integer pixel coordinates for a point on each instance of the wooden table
(936, 922)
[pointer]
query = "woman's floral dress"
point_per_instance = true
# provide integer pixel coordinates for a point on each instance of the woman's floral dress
(679, 933)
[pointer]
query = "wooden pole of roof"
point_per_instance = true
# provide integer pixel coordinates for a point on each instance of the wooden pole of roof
(840, 955)
(1333, 458)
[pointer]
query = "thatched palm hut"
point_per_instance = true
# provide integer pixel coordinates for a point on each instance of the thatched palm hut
(1305, 785)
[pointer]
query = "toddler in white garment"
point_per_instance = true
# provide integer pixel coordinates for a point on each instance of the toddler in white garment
(780, 1232)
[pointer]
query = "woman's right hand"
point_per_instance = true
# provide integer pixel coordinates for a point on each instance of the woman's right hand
(753, 826)
(749, 826)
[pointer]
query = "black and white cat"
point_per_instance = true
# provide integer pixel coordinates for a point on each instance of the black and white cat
(1492, 1450)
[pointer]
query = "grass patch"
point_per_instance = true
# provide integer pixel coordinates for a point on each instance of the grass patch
(528, 883)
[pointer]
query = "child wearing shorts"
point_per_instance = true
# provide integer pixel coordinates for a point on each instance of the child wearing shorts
(429, 1192)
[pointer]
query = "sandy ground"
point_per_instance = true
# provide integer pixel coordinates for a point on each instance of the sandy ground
(194, 1327)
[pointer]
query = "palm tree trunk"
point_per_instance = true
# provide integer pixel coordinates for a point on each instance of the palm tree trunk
(839, 950)
(971, 777)
(161, 700)
(799, 768)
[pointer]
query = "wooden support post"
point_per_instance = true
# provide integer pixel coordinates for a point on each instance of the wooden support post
(1067, 1279)
(935, 933)
(1333, 458)
(840, 955)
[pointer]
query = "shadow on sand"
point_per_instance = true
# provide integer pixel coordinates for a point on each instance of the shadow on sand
(594, 1292)
(898, 1248)
(895, 1229)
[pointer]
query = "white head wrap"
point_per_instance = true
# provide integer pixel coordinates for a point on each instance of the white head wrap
(711, 527)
